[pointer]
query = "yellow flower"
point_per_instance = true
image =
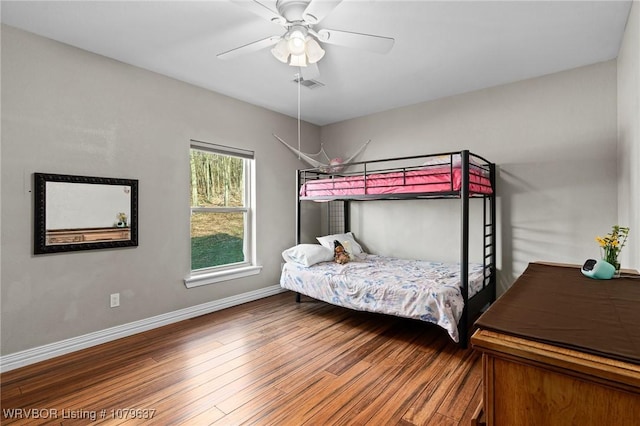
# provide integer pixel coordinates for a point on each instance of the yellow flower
(611, 244)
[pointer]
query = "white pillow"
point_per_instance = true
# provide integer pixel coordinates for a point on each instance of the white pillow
(441, 160)
(444, 160)
(327, 241)
(307, 254)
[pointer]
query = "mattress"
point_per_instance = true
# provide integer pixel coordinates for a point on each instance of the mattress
(426, 180)
(422, 290)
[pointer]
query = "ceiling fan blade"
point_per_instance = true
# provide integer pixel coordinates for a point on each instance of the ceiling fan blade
(257, 8)
(317, 10)
(248, 48)
(369, 42)
(310, 72)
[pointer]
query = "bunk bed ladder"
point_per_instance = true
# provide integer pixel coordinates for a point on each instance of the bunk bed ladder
(493, 280)
(488, 243)
(489, 238)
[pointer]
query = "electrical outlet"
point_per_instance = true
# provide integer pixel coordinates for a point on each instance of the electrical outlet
(115, 300)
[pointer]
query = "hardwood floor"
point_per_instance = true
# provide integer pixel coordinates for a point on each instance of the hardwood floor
(268, 362)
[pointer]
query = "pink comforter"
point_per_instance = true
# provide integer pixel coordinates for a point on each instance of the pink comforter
(433, 180)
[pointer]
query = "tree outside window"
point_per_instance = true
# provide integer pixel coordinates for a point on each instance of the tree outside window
(220, 209)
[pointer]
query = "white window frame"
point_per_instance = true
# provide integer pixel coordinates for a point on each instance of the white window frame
(214, 274)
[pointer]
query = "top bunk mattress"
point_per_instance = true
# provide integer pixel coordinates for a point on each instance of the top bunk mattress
(431, 181)
(421, 176)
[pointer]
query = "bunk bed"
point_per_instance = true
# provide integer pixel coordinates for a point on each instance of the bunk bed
(450, 295)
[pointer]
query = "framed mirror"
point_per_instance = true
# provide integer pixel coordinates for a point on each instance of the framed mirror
(84, 213)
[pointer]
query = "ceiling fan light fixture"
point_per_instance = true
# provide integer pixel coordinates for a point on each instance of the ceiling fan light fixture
(313, 50)
(296, 42)
(281, 51)
(301, 43)
(298, 60)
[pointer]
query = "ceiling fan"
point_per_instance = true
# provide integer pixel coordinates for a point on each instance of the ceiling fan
(299, 44)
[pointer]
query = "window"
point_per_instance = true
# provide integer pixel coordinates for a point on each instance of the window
(221, 213)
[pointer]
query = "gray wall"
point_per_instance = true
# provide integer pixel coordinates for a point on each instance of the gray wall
(68, 111)
(554, 140)
(629, 137)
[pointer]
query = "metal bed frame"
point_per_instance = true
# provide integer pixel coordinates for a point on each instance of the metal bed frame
(473, 306)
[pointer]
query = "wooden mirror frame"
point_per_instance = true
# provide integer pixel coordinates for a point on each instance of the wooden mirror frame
(40, 214)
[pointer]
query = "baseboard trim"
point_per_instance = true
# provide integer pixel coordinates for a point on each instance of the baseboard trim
(52, 350)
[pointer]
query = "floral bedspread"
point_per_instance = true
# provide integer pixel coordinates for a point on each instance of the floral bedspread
(427, 291)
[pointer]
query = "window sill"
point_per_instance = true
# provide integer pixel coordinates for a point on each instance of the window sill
(198, 280)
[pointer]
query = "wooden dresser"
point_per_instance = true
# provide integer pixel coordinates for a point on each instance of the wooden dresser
(529, 379)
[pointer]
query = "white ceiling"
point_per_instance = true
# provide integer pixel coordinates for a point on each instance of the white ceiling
(441, 49)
